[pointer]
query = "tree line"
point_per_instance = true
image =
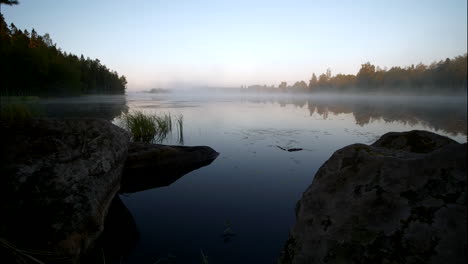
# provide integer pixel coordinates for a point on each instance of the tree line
(447, 76)
(31, 64)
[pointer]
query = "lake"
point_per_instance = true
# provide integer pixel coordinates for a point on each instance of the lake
(254, 184)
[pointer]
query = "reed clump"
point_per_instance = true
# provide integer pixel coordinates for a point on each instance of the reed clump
(151, 127)
(14, 108)
(142, 127)
(180, 128)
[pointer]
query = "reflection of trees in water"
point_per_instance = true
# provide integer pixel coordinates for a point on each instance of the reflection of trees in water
(448, 115)
(281, 100)
(105, 107)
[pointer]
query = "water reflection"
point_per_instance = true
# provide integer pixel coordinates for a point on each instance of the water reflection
(449, 117)
(256, 181)
(106, 107)
(254, 184)
(448, 114)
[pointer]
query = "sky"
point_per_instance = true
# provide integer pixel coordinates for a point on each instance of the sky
(171, 43)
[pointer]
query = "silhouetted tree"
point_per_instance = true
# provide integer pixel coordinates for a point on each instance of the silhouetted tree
(446, 76)
(300, 86)
(282, 86)
(366, 74)
(312, 82)
(7, 2)
(31, 64)
(323, 80)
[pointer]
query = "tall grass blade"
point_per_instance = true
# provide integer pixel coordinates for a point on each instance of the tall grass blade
(151, 127)
(204, 258)
(180, 128)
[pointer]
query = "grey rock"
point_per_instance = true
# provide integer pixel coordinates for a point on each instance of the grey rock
(58, 186)
(58, 178)
(152, 165)
(399, 200)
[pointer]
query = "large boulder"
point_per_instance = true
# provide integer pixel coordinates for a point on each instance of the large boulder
(58, 178)
(152, 165)
(399, 200)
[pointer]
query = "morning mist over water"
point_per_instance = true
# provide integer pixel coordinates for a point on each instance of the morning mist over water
(251, 132)
(287, 132)
(445, 114)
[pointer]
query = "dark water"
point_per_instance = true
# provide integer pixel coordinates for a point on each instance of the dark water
(254, 184)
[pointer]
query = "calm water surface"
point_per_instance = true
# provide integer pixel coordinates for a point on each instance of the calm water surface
(254, 184)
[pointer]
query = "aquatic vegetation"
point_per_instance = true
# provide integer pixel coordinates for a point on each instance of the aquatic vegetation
(204, 258)
(10, 112)
(103, 256)
(16, 108)
(227, 233)
(180, 128)
(168, 259)
(142, 127)
(163, 125)
(151, 127)
(28, 256)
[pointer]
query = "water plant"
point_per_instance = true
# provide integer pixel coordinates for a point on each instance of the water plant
(203, 257)
(141, 126)
(151, 127)
(228, 233)
(180, 128)
(168, 259)
(164, 126)
(17, 108)
(28, 255)
(11, 112)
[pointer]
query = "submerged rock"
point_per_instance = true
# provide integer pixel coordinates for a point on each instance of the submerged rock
(151, 165)
(399, 200)
(58, 178)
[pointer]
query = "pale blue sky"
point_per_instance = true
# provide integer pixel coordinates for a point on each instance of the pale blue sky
(232, 43)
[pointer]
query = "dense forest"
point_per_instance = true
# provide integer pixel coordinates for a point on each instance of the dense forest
(447, 76)
(31, 64)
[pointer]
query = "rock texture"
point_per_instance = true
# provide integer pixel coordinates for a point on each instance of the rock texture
(399, 200)
(58, 178)
(151, 165)
(58, 184)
